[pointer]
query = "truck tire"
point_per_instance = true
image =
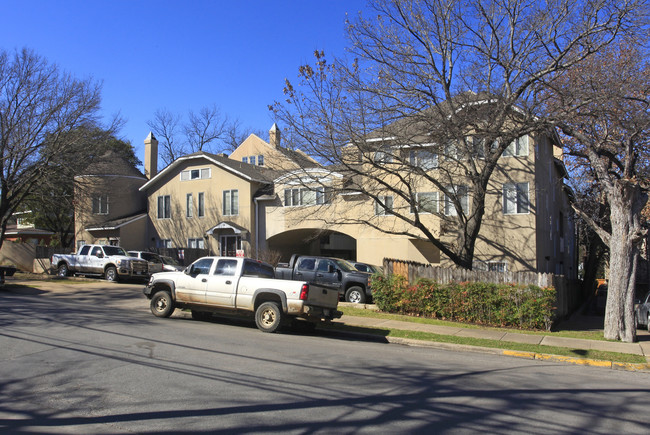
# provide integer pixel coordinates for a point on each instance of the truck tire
(111, 274)
(355, 295)
(162, 304)
(268, 317)
(63, 270)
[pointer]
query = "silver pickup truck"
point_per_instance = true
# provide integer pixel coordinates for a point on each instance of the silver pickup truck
(227, 285)
(110, 261)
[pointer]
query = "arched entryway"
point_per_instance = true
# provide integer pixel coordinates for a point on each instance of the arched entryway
(313, 242)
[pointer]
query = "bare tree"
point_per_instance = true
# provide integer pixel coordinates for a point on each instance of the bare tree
(39, 104)
(452, 78)
(165, 126)
(603, 109)
(206, 130)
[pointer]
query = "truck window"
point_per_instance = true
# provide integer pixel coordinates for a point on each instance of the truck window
(96, 251)
(226, 267)
(202, 266)
(84, 250)
(323, 265)
(114, 250)
(307, 264)
(259, 270)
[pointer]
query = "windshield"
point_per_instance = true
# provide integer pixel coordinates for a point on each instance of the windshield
(114, 250)
(169, 260)
(345, 266)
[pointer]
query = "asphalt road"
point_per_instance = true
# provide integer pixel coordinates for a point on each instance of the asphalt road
(91, 358)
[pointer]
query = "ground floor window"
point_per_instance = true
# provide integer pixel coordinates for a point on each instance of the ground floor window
(165, 243)
(196, 243)
(229, 245)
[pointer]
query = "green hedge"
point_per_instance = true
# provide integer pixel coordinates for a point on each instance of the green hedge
(521, 306)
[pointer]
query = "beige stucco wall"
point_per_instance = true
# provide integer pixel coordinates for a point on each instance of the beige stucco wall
(513, 238)
(124, 199)
(254, 146)
(179, 228)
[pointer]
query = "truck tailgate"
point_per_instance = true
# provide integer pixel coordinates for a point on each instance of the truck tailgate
(320, 296)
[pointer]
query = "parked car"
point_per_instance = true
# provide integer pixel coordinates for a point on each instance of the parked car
(365, 267)
(110, 261)
(228, 285)
(170, 265)
(642, 312)
(352, 285)
(154, 260)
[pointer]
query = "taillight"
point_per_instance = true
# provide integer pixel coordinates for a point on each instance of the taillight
(304, 292)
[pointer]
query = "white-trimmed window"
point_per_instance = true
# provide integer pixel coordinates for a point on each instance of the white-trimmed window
(196, 174)
(165, 243)
(426, 202)
(306, 196)
(515, 198)
(189, 205)
(384, 205)
(230, 202)
(164, 207)
(100, 204)
(425, 158)
(197, 243)
(461, 193)
(201, 204)
(517, 148)
(251, 160)
(383, 155)
(497, 266)
(244, 159)
(260, 160)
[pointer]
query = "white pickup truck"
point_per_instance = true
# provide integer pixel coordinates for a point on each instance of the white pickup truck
(110, 261)
(227, 285)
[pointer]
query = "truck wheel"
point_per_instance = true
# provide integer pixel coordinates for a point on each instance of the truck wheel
(162, 304)
(63, 270)
(268, 317)
(111, 274)
(355, 295)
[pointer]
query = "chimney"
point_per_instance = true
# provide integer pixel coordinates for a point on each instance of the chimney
(150, 156)
(274, 136)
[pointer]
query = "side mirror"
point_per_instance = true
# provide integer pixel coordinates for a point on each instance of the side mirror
(99, 255)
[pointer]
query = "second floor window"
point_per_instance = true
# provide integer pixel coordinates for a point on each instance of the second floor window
(423, 158)
(384, 205)
(189, 205)
(230, 202)
(164, 207)
(426, 202)
(515, 198)
(201, 204)
(517, 148)
(304, 196)
(461, 194)
(100, 204)
(195, 174)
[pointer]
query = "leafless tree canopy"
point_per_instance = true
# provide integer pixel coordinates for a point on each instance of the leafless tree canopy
(430, 72)
(39, 104)
(206, 130)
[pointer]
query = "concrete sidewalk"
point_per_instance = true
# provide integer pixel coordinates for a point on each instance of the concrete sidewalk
(641, 348)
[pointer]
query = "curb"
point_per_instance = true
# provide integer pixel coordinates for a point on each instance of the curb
(521, 354)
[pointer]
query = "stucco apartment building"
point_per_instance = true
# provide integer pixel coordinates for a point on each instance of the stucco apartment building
(257, 201)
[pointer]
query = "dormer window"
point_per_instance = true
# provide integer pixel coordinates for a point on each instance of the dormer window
(195, 174)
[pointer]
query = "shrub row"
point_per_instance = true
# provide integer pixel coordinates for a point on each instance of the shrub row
(521, 306)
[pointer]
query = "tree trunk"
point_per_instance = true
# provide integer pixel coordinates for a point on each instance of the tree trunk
(624, 253)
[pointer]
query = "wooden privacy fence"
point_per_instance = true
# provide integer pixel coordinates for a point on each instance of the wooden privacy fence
(567, 291)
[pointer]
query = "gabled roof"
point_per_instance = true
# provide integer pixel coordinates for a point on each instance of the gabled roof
(244, 170)
(117, 223)
(112, 163)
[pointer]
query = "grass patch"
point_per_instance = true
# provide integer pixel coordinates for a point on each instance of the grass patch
(359, 312)
(496, 344)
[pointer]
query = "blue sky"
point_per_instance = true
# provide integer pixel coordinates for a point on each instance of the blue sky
(179, 55)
